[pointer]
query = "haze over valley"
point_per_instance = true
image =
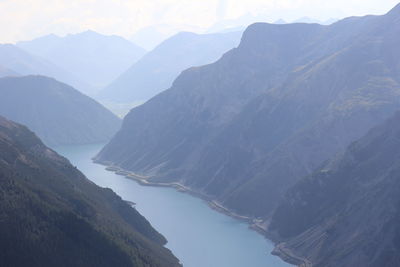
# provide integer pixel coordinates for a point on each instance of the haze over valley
(212, 134)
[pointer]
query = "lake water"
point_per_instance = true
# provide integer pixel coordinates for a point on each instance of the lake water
(197, 235)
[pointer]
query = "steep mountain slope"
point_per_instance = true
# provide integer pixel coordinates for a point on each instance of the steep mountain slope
(326, 106)
(52, 215)
(24, 63)
(94, 58)
(347, 213)
(56, 112)
(157, 70)
(242, 130)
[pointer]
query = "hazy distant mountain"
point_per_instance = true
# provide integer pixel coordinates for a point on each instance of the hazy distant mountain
(242, 21)
(24, 63)
(52, 215)
(6, 72)
(242, 130)
(92, 57)
(347, 212)
(311, 20)
(234, 29)
(329, 21)
(245, 21)
(56, 112)
(307, 20)
(280, 21)
(157, 70)
(152, 36)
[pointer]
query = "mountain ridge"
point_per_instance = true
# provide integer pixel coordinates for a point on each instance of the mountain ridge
(58, 113)
(228, 130)
(167, 61)
(95, 58)
(24, 63)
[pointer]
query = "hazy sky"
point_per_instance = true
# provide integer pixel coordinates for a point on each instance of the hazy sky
(26, 19)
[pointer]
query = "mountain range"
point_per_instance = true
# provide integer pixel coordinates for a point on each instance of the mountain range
(7, 72)
(94, 58)
(248, 19)
(52, 215)
(291, 127)
(243, 130)
(56, 112)
(311, 20)
(157, 70)
(20, 62)
(151, 36)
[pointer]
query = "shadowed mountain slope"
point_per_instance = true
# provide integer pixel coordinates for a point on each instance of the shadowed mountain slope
(241, 131)
(347, 213)
(56, 112)
(52, 215)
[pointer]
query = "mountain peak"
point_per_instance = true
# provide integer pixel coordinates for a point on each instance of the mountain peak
(306, 20)
(280, 21)
(184, 34)
(90, 32)
(395, 10)
(50, 36)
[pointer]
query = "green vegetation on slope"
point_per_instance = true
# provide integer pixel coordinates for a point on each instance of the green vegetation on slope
(51, 215)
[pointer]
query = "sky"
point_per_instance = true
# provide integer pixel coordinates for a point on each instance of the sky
(27, 19)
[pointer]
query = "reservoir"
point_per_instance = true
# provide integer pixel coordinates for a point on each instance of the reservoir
(196, 234)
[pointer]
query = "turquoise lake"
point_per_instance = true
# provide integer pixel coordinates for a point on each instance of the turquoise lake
(197, 235)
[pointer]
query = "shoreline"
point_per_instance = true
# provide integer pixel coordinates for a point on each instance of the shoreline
(279, 250)
(287, 255)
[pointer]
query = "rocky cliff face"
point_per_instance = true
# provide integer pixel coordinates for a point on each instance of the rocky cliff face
(52, 215)
(244, 129)
(56, 112)
(347, 212)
